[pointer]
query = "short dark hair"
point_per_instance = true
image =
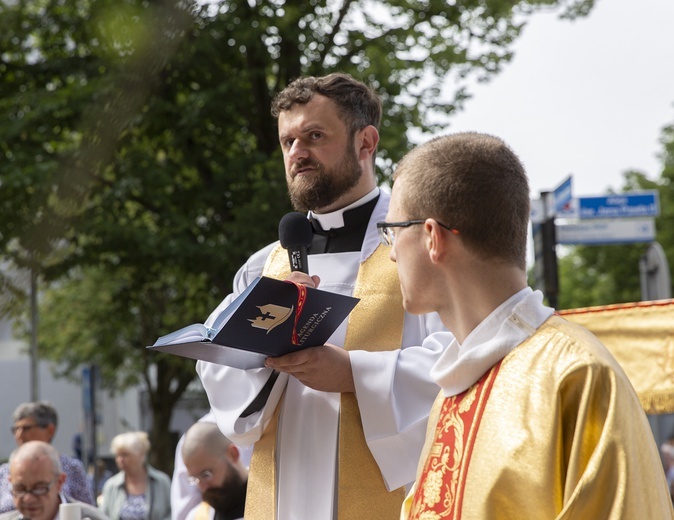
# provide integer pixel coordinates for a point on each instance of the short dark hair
(357, 104)
(43, 413)
(474, 183)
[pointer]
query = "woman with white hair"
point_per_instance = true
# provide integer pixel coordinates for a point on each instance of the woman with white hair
(138, 491)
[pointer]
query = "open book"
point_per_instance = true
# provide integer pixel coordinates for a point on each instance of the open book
(270, 318)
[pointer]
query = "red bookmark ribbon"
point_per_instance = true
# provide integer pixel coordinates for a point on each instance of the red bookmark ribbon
(301, 299)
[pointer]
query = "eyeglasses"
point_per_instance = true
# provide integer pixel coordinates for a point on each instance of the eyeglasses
(387, 236)
(37, 490)
(204, 476)
(25, 428)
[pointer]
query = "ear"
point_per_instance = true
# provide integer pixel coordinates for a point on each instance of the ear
(60, 481)
(366, 142)
(233, 453)
(437, 242)
(51, 431)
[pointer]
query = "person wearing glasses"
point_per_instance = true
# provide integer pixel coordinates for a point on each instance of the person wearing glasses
(535, 418)
(336, 430)
(138, 491)
(37, 421)
(215, 468)
(186, 496)
(37, 482)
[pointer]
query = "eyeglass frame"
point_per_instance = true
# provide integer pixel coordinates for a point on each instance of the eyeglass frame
(27, 428)
(387, 237)
(204, 475)
(46, 487)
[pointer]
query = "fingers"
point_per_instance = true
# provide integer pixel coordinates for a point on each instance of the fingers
(291, 361)
(326, 368)
(304, 279)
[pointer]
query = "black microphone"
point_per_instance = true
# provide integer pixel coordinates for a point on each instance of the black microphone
(295, 233)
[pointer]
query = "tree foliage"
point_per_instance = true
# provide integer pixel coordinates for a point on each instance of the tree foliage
(140, 161)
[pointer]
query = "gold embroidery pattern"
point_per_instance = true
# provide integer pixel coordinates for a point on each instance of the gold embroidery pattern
(439, 488)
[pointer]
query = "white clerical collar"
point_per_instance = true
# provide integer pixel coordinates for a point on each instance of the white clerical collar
(335, 219)
(461, 365)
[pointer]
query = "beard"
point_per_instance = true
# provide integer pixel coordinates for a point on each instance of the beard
(327, 184)
(230, 497)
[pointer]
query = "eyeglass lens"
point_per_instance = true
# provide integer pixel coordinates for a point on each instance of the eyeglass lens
(24, 428)
(38, 490)
(201, 477)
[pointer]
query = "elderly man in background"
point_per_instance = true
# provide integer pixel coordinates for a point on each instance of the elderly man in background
(36, 482)
(37, 421)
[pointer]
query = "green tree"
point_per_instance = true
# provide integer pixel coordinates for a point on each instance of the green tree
(140, 160)
(603, 275)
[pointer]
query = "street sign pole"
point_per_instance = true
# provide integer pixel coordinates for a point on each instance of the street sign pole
(549, 251)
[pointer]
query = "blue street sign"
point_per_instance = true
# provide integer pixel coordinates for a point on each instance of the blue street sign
(562, 195)
(642, 204)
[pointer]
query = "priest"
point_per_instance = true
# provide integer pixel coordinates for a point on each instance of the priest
(337, 429)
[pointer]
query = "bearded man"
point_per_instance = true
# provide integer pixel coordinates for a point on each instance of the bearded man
(336, 429)
(214, 464)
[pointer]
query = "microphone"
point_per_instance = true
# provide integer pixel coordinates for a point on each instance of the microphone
(295, 233)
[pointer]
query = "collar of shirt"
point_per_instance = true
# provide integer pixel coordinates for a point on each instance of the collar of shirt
(348, 237)
(63, 500)
(335, 219)
(512, 322)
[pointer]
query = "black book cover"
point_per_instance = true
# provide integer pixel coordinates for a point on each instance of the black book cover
(270, 318)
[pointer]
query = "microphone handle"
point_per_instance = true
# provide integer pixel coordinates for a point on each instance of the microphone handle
(297, 255)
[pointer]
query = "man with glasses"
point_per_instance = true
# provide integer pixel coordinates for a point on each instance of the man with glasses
(535, 418)
(37, 421)
(37, 485)
(214, 467)
(336, 429)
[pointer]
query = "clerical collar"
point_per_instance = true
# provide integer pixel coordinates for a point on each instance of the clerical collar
(335, 219)
(349, 236)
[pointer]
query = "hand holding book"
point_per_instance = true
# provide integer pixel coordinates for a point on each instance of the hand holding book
(270, 318)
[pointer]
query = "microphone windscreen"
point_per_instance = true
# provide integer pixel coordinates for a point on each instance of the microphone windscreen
(294, 230)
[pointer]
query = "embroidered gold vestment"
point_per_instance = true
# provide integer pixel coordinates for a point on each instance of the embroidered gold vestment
(562, 436)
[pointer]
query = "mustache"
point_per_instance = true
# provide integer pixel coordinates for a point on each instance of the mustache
(305, 163)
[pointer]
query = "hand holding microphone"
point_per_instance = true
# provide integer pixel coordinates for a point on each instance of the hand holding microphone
(295, 233)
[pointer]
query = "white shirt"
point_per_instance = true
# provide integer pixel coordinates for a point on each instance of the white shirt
(393, 390)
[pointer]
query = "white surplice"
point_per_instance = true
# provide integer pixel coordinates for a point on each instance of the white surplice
(393, 389)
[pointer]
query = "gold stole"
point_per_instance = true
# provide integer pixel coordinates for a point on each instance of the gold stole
(440, 484)
(375, 325)
(202, 512)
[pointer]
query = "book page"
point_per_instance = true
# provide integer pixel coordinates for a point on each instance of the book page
(191, 333)
(224, 316)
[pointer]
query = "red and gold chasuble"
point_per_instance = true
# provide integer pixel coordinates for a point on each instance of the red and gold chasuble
(439, 488)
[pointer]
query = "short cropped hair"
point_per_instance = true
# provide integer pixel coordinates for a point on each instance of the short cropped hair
(42, 412)
(357, 104)
(35, 449)
(135, 442)
(474, 183)
(204, 436)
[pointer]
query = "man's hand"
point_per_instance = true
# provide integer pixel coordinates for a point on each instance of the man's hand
(326, 368)
(304, 279)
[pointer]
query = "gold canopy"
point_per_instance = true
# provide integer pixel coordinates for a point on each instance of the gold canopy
(641, 337)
